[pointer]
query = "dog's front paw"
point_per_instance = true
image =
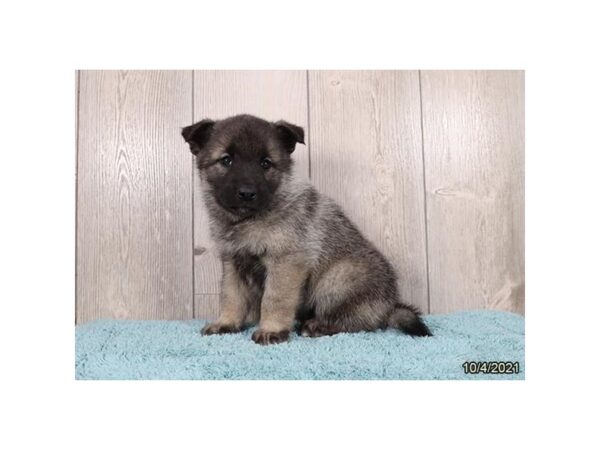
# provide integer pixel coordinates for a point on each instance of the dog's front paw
(219, 328)
(270, 337)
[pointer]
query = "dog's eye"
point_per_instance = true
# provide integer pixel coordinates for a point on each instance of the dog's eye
(266, 163)
(226, 160)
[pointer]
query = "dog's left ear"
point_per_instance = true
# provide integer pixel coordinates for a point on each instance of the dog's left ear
(198, 134)
(289, 134)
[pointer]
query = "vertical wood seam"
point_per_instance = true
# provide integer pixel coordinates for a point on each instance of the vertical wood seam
(193, 221)
(77, 120)
(424, 195)
(309, 140)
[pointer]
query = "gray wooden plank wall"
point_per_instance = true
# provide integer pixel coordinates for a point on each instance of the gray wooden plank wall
(429, 164)
(134, 196)
(473, 128)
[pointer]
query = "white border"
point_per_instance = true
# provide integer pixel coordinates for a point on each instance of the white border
(44, 42)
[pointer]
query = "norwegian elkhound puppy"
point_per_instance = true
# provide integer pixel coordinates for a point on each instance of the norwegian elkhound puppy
(288, 252)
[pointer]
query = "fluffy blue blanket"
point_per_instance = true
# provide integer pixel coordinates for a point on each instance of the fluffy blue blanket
(137, 350)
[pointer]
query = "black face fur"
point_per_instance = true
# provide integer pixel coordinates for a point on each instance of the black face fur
(243, 159)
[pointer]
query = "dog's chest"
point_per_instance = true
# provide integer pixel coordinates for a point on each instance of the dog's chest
(258, 239)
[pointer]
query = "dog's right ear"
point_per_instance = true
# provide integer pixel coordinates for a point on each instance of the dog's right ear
(197, 135)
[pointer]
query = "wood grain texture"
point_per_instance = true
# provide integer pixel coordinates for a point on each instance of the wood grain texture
(474, 160)
(134, 215)
(76, 171)
(137, 243)
(366, 153)
(207, 306)
(272, 95)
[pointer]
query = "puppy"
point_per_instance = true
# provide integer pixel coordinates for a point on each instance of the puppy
(288, 252)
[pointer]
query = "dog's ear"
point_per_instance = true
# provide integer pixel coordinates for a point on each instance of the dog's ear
(198, 134)
(289, 134)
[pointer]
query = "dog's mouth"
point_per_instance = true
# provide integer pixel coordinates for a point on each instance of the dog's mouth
(242, 211)
(238, 210)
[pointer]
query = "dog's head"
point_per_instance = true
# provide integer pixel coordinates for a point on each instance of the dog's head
(243, 160)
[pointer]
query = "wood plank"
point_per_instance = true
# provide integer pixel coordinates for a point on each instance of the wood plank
(134, 197)
(366, 153)
(76, 171)
(474, 161)
(272, 95)
(207, 306)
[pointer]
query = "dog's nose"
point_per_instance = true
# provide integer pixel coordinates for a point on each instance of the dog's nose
(247, 193)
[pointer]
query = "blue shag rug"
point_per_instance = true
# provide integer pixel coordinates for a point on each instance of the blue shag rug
(141, 350)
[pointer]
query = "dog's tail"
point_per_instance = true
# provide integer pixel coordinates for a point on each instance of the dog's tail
(408, 319)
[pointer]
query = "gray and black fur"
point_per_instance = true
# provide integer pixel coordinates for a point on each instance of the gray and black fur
(289, 253)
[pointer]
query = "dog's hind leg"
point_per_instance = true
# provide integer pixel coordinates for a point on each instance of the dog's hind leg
(318, 327)
(346, 298)
(361, 313)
